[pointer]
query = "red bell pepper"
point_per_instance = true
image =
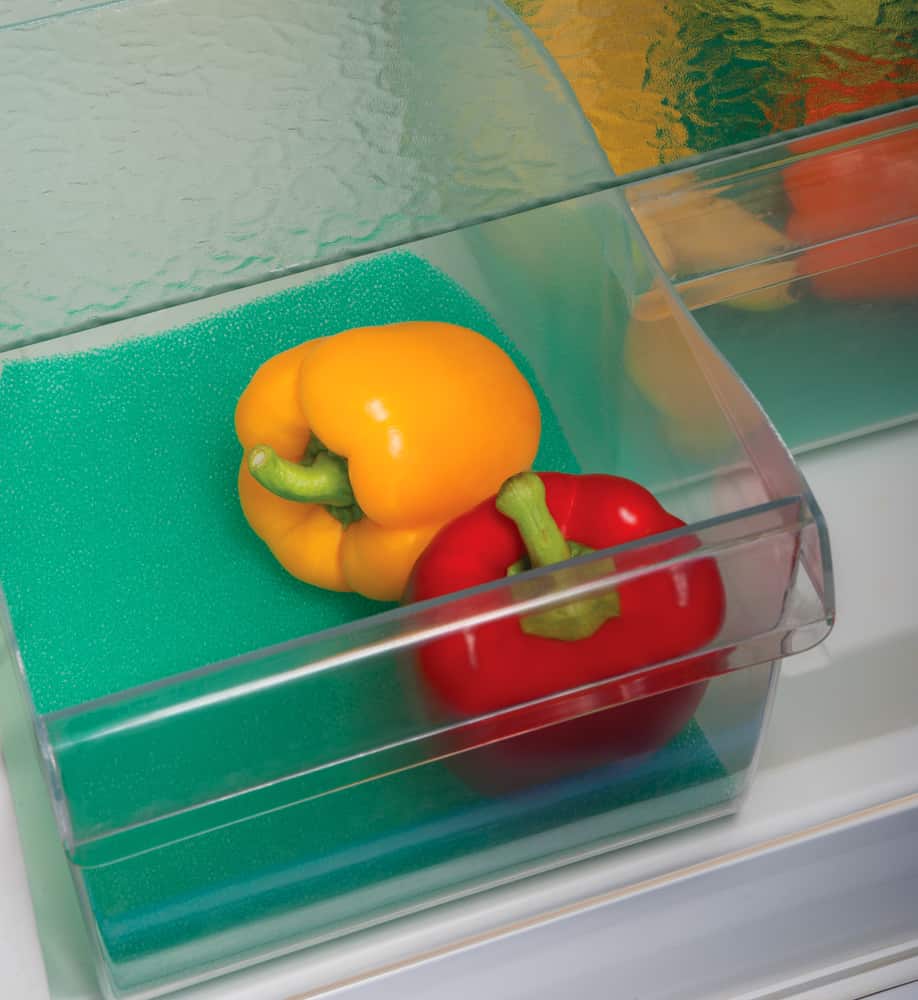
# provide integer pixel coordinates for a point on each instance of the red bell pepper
(868, 188)
(537, 520)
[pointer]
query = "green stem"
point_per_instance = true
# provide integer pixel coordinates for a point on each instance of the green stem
(522, 499)
(324, 481)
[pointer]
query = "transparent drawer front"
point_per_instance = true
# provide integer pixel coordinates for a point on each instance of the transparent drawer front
(241, 764)
(418, 834)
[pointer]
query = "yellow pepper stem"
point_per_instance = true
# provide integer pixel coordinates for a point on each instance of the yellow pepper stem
(324, 481)
(522, 499)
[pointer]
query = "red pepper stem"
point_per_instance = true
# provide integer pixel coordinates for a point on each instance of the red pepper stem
(325, 481)
(522, 499)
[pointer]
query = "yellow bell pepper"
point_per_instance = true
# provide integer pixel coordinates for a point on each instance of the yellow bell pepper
(360, 446)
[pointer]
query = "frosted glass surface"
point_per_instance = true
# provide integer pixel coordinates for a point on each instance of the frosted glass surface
(156, 151)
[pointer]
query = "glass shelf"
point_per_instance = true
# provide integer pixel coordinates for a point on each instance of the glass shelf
(157, 152)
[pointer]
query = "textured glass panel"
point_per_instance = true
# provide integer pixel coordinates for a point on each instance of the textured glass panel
(659, 81)
(156, 151)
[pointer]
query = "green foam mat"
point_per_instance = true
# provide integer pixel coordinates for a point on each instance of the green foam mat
(123, 552)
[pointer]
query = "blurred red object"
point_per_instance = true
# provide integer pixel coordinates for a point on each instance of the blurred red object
(856, 209)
